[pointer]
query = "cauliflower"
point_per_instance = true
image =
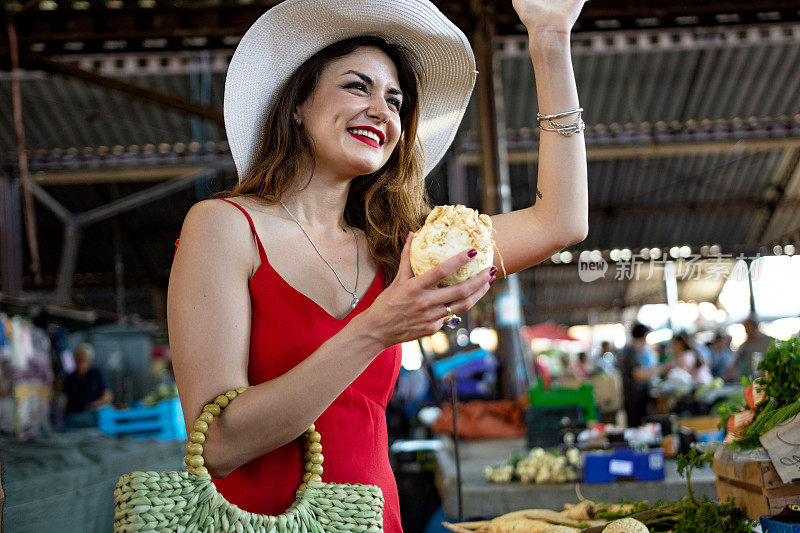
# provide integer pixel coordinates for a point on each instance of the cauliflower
(499, 474)
(449, 230)
(542, 467)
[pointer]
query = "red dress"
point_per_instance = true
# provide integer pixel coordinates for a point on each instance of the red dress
(286, 327)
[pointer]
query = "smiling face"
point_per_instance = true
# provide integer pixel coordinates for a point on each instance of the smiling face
(353, 114)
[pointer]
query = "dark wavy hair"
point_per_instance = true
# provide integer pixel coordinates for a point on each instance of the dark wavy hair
(385, 204)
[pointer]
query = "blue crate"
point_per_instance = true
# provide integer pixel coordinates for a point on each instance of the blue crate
(773, 526)
(162, 421)
(623, 464)
(714, 435)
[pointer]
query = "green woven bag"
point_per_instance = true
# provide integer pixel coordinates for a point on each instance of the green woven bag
(189, 502)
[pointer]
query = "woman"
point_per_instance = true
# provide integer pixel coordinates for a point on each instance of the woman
(688, 363)
(267, 287)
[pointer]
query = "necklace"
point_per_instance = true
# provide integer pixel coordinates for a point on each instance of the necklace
(351, 293)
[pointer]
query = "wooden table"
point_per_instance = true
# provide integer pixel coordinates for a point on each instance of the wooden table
(482, 499)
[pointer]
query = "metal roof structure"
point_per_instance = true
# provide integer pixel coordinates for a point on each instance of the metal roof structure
(693, 140)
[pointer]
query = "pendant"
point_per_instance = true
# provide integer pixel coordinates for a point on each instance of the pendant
(453, 321)
(355, 302)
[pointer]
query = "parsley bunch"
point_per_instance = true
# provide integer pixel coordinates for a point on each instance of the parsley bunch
(781, 364)
(708, 516)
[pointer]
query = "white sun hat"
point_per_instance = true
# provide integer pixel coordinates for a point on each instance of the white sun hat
(287, 35)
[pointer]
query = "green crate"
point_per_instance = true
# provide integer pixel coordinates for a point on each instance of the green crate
(561, 397)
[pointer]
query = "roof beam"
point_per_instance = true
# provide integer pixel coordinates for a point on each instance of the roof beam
(187, 25)
(785, 178)
(727, 205)
(132, 90)
(132, 201)
(550, 307)
(600, 153)
(605, 15)
(114, 175)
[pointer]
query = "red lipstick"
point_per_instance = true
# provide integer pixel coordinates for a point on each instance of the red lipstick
(365, 140)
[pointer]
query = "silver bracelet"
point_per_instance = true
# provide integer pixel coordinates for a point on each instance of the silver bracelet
(564, 129)
(540, 116)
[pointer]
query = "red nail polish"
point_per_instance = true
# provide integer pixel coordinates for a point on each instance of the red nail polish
(491, 280)
(472, 253)
(492, 271)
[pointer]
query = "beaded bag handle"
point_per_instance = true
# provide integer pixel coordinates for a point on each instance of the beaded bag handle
(194, 448)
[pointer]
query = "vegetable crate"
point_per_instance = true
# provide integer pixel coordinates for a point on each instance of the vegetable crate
(162, 421)
(623, 464)
(562, 397)
(544, 424)
(773, 526)
(755, 486)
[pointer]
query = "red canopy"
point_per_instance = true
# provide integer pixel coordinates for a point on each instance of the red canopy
(547, 330)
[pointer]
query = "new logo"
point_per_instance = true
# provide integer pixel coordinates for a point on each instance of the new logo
(591, 266)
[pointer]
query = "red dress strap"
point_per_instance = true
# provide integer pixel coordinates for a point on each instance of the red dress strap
(261, 252)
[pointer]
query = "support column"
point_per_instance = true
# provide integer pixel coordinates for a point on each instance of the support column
(200, 82)
(483, 40)
(496, 197)
(749, 263)
(158, 297)
(456, 178)
(119, 269)
(671, 286)
(69, 258)
(11, 253)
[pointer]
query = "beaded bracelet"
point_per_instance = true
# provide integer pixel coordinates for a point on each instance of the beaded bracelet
(194, 448)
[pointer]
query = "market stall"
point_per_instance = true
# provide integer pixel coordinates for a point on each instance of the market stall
(482, 498)
(630, 194)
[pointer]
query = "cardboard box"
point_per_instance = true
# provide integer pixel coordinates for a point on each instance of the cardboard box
(754, 485)
(607, 392)
(704, 428)
(701, 423)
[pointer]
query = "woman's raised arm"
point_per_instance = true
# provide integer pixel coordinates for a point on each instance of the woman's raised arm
(560, 218)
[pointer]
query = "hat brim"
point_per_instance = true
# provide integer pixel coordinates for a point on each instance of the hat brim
(288, 34)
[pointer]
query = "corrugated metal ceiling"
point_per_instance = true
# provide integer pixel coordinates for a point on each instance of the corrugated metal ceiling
(757, 76)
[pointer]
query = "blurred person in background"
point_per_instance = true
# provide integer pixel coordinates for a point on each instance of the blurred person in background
(745, 363)
(606, 347)
(606, 359)
(583, 368)
(702, 351)
(721, 354)
(86, 388)
(638, 365)
(568, 370)
(688, 361)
